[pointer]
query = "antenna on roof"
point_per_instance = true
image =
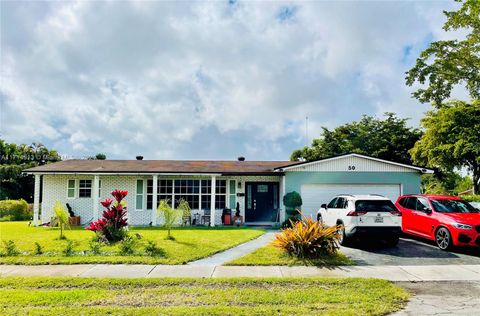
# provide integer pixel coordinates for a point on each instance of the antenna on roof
(306, 129)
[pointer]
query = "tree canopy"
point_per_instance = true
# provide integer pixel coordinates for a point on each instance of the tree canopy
(447, 63)
(451, 139)
(389, 138)
(16, 158)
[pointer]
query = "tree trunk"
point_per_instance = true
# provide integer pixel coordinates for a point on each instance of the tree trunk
(476, 182)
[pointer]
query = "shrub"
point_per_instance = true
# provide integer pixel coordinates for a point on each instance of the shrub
(127, 246)
(151, 249)
(471, 198)
(289, 222)
(170, 216)
(307, 239)
(112, 225)
(95, 246)
(10, 248)
(186, 211)
(14, 210)
(292, 201)
(68, 250)
(61, 217)
(38, 249)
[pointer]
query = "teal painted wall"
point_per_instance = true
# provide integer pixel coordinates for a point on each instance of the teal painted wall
(410, 180)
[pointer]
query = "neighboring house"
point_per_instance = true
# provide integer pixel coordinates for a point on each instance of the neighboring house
(211, 186)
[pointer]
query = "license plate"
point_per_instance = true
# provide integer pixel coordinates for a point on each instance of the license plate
(379, 219)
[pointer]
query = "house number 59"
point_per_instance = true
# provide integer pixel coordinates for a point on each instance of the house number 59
(351, 168)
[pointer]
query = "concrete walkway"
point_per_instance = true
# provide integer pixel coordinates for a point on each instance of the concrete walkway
(392, 273)
(235, 252)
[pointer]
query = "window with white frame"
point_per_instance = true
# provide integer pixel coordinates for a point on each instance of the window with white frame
(195, 191)
(84, 188)
(139, 195)
(71, 189)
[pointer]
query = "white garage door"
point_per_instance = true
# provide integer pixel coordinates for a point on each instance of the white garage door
(314, 195)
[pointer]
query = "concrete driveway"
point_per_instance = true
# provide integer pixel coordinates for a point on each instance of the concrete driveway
(409, 251)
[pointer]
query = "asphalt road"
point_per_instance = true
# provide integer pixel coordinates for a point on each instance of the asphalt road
(442, 298)
(409, 251)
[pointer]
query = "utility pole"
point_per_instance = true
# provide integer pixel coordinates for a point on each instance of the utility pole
(306, 130)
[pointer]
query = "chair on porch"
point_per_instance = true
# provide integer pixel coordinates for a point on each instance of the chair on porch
(206, 217)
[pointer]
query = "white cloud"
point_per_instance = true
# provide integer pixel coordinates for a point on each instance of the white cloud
(204, 79)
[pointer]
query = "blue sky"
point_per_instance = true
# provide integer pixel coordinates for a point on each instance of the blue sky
(205, 80)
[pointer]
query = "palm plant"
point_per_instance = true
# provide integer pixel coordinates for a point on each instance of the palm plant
(308, 239)
(61, 217)
(170, 216)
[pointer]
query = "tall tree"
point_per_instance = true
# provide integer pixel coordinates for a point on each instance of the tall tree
(451, 139)
(16, 158)
(445, 64)
(389, 138)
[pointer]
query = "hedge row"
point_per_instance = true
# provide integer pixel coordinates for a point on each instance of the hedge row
(15, 210)
(471, 198)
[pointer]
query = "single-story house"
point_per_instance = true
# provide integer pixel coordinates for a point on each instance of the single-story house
(211, 186)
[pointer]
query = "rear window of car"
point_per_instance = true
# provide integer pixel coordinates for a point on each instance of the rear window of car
(374, 206)
(453, 206)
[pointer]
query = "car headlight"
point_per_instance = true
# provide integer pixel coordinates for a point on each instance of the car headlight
(462, 226)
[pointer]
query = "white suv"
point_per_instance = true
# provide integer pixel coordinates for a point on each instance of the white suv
(363, 216)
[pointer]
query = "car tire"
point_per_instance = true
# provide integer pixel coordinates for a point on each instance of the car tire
(443, 238)
(393, 241)
(343, 239)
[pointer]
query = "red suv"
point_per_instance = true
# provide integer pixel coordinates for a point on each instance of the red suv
(448, 220)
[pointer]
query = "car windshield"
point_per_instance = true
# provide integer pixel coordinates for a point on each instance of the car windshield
(374, 206)
(453, 206)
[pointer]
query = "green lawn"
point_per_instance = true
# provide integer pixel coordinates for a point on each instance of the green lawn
(271, 256)
(295, 296)
(189, 244)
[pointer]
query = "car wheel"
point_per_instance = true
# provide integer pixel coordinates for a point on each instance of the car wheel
(443, 238)
(342, 238)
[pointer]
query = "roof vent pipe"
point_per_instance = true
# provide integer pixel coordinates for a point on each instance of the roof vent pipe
(241, 158)
(139, 157)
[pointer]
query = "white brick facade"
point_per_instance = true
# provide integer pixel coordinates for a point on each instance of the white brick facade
(55, 188)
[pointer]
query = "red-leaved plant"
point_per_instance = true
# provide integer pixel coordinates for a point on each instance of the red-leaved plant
(111, 226)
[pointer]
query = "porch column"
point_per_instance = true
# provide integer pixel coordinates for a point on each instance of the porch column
(282, 207)
(212, 202)
(154, 200)
(96, 193)
(36, 199)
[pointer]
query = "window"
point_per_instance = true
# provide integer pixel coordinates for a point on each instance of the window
(453, 206)
(375, 206)
(232, 197)
(262, 188)
(85, 188)
(220, 186)
(71, 189)
(422, 205)
(411, 203)
(340, 203)
(332, 203)
(195, 191)
(149, 194)
(220, 201)
(139, 195)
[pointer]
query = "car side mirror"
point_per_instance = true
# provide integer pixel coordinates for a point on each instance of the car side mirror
(323, 206)
(428, 210)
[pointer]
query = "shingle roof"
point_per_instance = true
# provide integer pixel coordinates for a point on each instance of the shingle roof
(161, 166)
